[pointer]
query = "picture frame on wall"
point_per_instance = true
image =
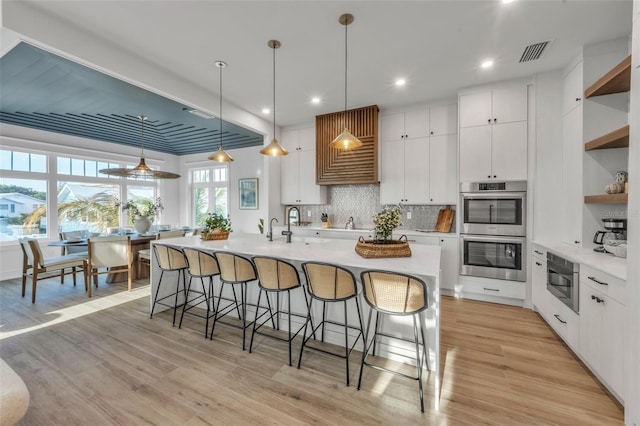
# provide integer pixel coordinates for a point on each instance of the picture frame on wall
(248, 193)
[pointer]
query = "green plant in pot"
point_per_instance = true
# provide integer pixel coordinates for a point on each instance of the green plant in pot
(385, 222)
(216, 226)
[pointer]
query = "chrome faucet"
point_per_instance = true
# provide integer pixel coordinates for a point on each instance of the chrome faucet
(270, 233)
(288, 232)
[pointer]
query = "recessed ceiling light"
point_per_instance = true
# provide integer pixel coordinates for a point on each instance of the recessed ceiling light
(487, 64)
(315, 100)
(266, 110)
(401, 82)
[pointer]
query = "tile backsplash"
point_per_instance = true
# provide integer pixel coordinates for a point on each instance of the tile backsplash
(362, 202)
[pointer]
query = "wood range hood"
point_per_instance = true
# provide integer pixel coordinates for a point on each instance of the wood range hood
(357, 166)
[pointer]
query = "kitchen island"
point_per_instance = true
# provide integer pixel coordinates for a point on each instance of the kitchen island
(424, 263)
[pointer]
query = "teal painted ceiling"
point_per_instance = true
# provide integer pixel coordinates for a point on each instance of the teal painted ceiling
(41, 90)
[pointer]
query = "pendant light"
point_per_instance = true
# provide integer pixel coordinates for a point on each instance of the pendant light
(274, 148)
(220, 155)
(345, 140)
(141, 170)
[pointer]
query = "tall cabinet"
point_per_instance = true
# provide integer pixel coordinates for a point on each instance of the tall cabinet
(493, 133)
(418, 156)
(298, 169)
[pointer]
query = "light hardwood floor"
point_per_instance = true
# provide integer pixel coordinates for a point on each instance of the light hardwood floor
(103, 361)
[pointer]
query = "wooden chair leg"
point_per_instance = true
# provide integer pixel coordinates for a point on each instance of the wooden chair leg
(34, 280)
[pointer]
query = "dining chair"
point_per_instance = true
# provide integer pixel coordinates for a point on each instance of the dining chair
(144, 255)
(36, 267)
(78, 250)
(395, 294)
(329, 283)
(275, 276)
(108, 255)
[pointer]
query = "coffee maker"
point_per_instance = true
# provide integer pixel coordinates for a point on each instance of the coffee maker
(615, 230)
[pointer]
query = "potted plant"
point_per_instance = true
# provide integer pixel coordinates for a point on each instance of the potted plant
(382, 245)
(385, 222)
(142, 212)
(216, 227)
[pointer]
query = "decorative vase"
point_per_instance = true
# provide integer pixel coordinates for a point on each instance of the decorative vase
(142, 225)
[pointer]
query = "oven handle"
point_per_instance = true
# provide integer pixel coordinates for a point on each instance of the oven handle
(484, 196)
(493, 238)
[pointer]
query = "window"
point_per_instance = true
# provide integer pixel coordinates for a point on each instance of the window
(85, 199)
(209, 191)
(23, 208)
(87, 206)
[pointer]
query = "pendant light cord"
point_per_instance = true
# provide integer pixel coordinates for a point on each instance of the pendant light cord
(274, 91)
(345, 72)
(221, 106)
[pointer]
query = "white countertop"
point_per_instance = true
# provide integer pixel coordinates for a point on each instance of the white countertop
(424, 261)
(365, 232)
(604, 262)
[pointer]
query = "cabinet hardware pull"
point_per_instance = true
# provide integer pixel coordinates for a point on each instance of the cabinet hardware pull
(538, 263)
(558, 318)
(599, 282)
(491, 289)
(538, 252)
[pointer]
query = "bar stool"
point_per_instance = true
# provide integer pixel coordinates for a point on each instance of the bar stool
(276, 276)
(200, 265)
(330, 283)
(234, 270)
(170, 259)
(396, 294)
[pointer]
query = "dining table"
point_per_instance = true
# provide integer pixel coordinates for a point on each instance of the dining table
(138, 242)
(424, 263)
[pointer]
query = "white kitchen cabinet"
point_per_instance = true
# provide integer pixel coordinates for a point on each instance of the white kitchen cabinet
(298, 169)
(502, 104)
(539, 280)
(404, 171)
(572, 151)
(572, 88)
(602, 342)
(418, 156)
(494, 152)
(443, 154)
(493, 134)
(449, 262)
(410, 124)
(443, 120)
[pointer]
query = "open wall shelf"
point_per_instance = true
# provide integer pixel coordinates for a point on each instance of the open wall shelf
(617, 80)
(606, 199)
(619, 138)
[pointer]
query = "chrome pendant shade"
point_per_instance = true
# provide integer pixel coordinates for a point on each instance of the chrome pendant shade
(274, 148)
(345, 140)
(221, 155)
(141, 171)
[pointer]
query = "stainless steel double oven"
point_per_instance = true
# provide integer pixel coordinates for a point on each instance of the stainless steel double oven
(493, 230)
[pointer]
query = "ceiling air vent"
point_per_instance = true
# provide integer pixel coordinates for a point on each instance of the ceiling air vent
(533, 51)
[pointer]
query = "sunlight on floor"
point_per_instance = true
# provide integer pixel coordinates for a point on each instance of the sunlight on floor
(77, 311)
